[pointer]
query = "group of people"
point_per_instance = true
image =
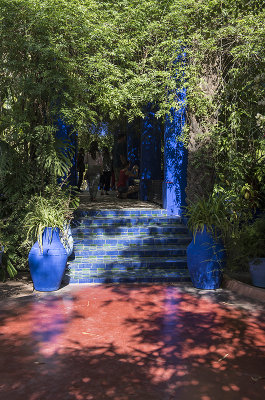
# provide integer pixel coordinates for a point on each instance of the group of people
(99, 169)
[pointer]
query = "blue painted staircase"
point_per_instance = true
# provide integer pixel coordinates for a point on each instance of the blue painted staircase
(129, 245)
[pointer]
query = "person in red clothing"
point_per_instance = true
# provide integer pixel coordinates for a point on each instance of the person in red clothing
(122, 185)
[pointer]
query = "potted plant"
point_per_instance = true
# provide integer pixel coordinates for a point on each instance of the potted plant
(253, 244)
(207, 220)
(45, 219)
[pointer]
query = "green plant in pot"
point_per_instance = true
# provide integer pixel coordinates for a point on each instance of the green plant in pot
(45, 218)
(43, 214)
(253, 245)
(208, 220)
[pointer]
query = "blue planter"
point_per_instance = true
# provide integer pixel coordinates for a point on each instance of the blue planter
(205, 259)
(47, 267)
(257, 272)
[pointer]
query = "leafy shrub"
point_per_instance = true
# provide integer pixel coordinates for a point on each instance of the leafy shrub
(52, 209)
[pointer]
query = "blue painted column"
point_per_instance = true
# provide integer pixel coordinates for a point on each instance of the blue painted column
(150, 164)
(66, 134)
(133, 143)
(175, 160)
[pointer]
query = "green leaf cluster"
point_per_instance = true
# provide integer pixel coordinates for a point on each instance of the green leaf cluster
(52, 211)
(90, 62)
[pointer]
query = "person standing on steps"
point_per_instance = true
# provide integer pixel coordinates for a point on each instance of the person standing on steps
(80, 163)
(94, 163)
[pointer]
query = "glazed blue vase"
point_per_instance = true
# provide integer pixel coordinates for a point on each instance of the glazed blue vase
(205, 258)
(257, 272)
(47, 267)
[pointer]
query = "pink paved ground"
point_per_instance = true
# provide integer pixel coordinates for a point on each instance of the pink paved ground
(132, 342)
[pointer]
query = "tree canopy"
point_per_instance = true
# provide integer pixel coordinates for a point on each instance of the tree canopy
(88, 61)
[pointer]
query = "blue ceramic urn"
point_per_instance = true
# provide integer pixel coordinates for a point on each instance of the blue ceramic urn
(47, 267)
(205, 258)
(257, 272)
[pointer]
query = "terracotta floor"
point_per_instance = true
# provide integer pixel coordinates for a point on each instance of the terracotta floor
(132, 343)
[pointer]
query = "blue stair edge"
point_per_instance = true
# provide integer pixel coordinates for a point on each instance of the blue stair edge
(128, 246)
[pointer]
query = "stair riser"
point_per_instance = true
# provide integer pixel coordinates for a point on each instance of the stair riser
(127, 221)
(130, 253)
(160, 230)
(120, 266)
(121, 213)
(131, 241)
(132, 279)
(127, 261)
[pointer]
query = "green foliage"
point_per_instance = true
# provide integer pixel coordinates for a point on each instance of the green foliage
(91, 62)
(227, 217)
(52, 209)
(253, 239)
(8, 255)
(7, 267)
(213, 213)
(228, 37)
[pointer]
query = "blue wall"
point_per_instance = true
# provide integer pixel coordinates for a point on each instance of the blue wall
(67, 135)
(175, 154)
(133, 145)
(175, 164)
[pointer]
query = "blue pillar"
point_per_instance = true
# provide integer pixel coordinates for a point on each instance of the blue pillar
(150, 165)
(175, 160)
(133, 143)
(68, 137)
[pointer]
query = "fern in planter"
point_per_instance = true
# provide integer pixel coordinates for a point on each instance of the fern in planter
(208, 219)
(43, 215)
(54, 211)
(44, 220)
(212, 213)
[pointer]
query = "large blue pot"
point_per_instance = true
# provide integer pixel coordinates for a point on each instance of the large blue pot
(47, 267)
(205, 258)
(257, 272)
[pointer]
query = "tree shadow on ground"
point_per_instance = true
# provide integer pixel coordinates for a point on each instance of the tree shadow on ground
(132, 342)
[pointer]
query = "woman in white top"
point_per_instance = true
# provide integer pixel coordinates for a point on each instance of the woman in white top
(94, 163)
